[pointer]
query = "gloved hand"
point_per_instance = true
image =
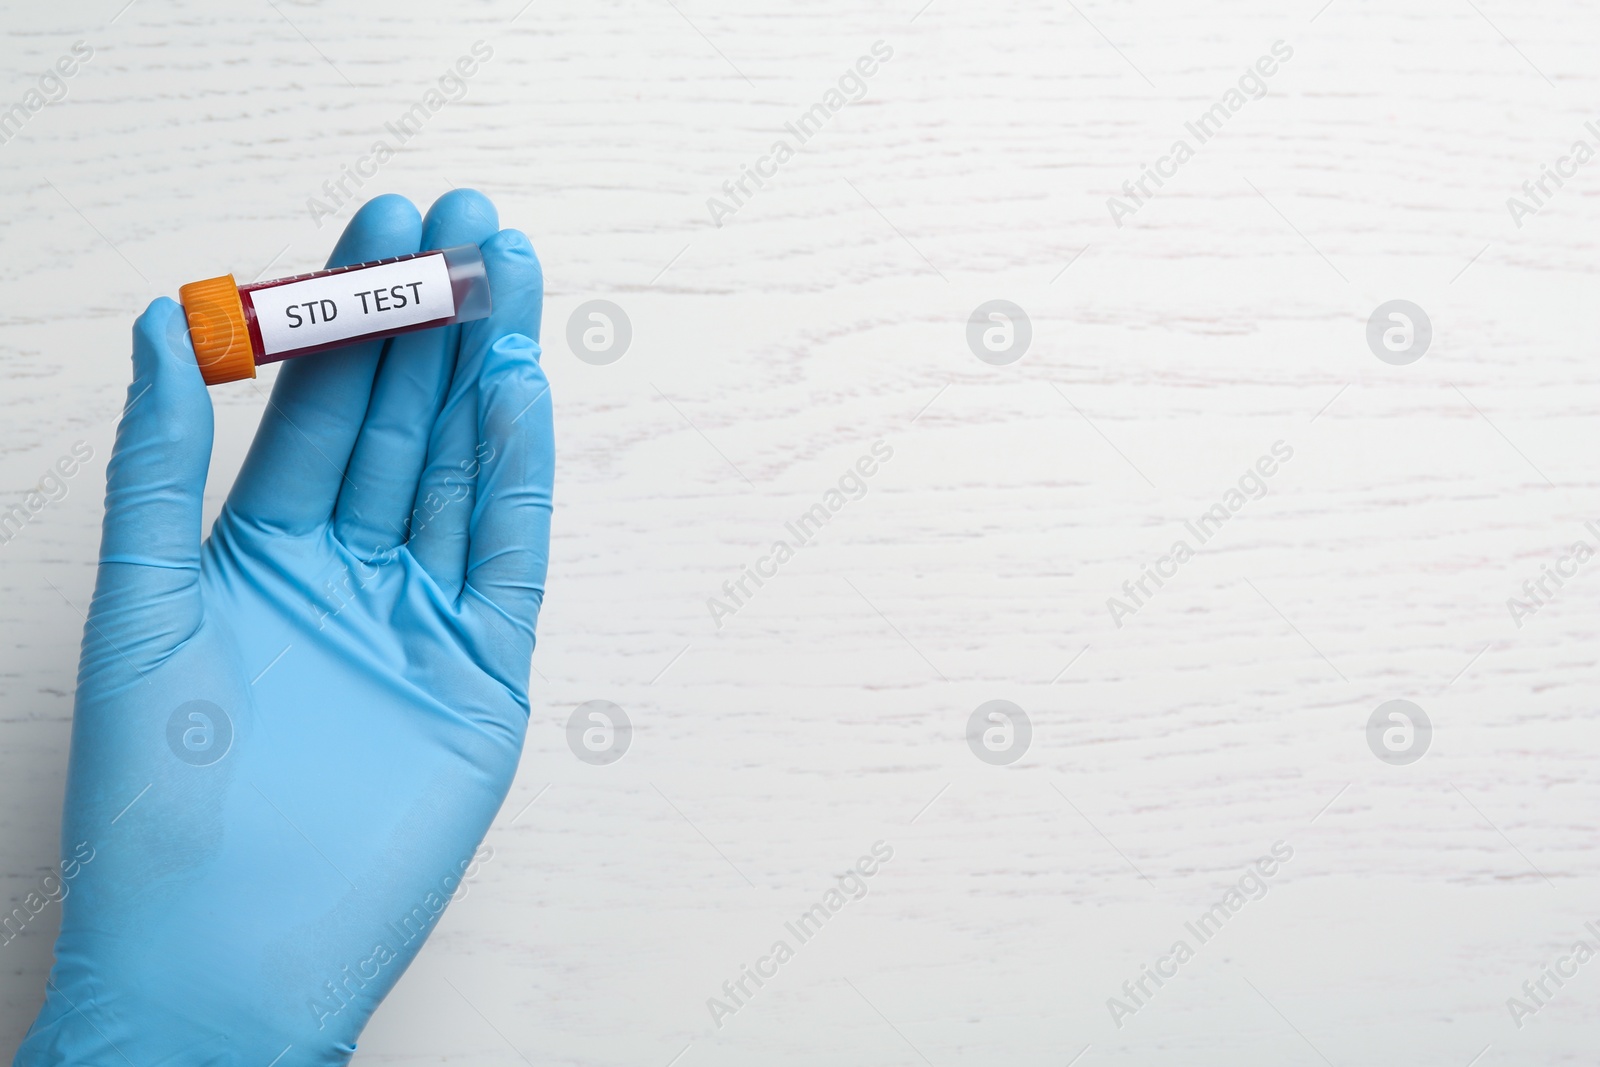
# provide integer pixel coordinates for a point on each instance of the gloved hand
(290, 739)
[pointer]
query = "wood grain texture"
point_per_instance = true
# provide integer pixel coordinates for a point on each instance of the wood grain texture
(830, 312)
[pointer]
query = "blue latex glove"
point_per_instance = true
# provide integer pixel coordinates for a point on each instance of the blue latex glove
(356, 630)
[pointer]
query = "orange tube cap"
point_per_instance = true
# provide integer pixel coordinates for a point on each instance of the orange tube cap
(218, 329)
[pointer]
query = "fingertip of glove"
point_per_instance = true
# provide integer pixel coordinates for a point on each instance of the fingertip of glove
(386, 209)
(380, 226)
(153, 322)
(511, 250)
(167, 388)
(162, 330)
(463, 208)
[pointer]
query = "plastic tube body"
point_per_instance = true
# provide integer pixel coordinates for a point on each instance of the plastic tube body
(236, 328)
(309, 313)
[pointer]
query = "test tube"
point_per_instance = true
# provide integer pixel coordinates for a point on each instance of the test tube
(236, 328)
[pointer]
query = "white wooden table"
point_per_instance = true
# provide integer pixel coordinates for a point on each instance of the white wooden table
(829, 312)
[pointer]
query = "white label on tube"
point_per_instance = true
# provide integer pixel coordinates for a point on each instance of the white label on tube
(318, 311)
